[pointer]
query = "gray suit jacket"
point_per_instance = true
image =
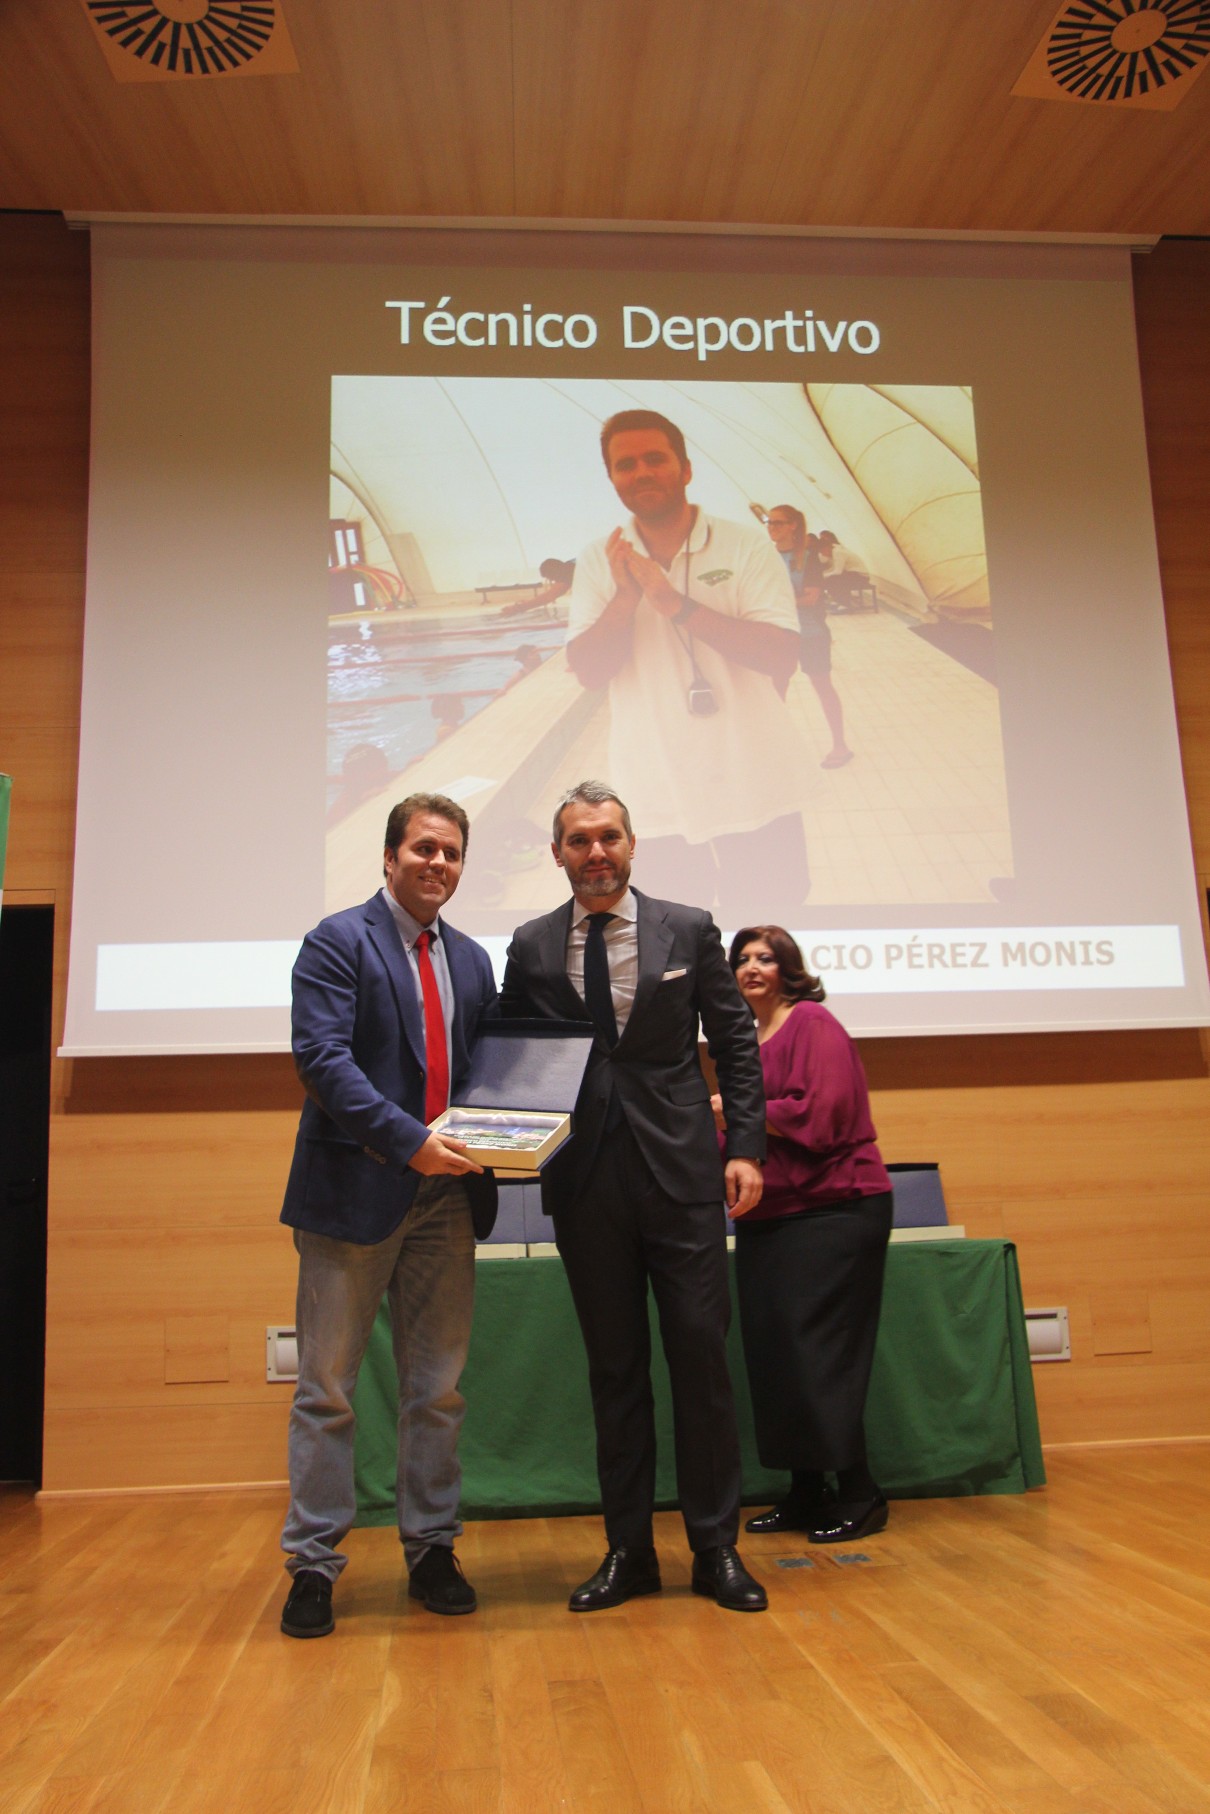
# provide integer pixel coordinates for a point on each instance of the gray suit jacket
(683, 977)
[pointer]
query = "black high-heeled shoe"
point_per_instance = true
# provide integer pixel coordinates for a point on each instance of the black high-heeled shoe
(849, 1523)
(792, 1514)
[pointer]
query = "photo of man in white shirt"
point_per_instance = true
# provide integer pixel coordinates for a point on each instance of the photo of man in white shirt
(689, 621)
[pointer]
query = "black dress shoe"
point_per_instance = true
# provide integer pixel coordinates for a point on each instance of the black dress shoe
(624, 1575)
(438, 1580)
(721, 1574)
(848, 1523)
(308, 1609)
(791, 1515)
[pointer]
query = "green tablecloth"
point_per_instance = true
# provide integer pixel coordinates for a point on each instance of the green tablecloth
(951, 1407)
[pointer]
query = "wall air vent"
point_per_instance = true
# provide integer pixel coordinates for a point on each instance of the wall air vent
(183, 40)
(1121, 53)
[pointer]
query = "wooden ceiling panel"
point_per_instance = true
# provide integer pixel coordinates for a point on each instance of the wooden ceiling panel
(678, 111)
(930, 136)
(417, 99)
(907, 146)
(400, 107)
(839, 113)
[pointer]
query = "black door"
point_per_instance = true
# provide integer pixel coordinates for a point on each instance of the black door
(26, 950)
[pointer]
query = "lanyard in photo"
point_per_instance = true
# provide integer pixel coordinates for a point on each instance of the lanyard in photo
(700, 697)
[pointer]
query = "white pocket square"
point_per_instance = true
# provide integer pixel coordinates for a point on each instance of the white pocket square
(671, 975)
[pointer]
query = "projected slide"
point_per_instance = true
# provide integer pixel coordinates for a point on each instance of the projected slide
(464, 516)
(861, 615)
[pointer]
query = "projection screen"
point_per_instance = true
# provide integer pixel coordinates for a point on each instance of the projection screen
(347, 514)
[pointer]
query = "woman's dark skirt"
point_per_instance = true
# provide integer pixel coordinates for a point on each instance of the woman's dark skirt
(810, 1288)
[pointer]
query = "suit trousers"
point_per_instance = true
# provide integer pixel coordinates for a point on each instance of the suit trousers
(620, 1232)
(426, 1269)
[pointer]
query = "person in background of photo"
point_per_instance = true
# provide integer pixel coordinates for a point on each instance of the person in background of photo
(844, 572)
(801, 552)
(809, 1259)
(530, 660)
(365, 771)
(558, 576)
(688, 620)
(448, 712)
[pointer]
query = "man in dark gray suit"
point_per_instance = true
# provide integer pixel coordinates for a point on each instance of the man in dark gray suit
(637, 1193)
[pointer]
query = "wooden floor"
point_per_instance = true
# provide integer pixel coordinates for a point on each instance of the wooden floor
(1048, 1654)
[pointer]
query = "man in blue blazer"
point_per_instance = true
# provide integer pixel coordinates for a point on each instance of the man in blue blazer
(387, 999)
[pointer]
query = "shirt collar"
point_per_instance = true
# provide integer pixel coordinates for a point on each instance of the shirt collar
(695, 541)
(625, 909)
(407, 922)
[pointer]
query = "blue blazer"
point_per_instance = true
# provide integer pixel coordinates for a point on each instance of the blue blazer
(358, 1040)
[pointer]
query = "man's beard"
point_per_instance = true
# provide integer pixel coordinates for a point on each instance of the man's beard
(601, 884)
(654, 508)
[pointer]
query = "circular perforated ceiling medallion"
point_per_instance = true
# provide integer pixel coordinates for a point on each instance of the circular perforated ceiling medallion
(188, 37)
(1120, 50)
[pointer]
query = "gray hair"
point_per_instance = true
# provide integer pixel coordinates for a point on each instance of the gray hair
(588, 793)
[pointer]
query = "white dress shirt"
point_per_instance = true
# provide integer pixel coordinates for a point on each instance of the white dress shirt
(409, 931)
(621, 949)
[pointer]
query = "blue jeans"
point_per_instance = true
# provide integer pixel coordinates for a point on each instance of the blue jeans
(426, 1268)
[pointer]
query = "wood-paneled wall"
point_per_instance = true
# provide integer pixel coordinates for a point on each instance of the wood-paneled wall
(166, 1257)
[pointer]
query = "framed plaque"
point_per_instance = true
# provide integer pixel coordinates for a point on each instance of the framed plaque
(516, 1106)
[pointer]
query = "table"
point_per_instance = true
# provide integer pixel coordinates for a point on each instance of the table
(951, 1408)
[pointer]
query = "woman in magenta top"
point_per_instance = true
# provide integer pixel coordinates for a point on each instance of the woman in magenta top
(810, 1257)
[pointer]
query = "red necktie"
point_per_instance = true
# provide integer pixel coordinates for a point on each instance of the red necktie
(436, 1058)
